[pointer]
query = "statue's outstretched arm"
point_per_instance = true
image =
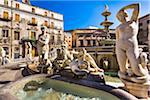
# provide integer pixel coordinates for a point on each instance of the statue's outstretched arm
(136, 8)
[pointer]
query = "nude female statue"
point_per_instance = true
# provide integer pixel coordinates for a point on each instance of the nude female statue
(126, 42)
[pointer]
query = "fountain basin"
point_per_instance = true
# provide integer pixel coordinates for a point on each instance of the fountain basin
(80, 88)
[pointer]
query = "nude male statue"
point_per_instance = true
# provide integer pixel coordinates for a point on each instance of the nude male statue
(43, 45)
(126, 41)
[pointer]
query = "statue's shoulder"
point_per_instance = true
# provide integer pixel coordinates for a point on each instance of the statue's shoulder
(118, 27)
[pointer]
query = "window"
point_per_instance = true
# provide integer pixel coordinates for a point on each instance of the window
(5, 15)
(7, 50)
(5, 33)
(16, 49)
(52, 15)
(52, 25)
(17, 17)
(45, 14)
(80, 35)
(17, 6)
(94, 42)
(46, 23)
(59, 38)
(140, 24)
(81, 42)
(33, 35)
(33, 20)
(88, 35)
(16, 55)
(88, 43)
(33, 10)
(16, 35)
(6, 2)
(148, 21)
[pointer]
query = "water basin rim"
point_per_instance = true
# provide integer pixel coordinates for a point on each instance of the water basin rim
(112, 90)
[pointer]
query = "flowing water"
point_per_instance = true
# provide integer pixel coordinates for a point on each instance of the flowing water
(49, 94)
(58, 90)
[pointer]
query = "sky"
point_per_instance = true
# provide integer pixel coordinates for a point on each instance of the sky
(84, 13)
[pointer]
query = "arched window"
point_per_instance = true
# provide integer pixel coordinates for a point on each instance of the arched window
(6, 2)
(52, 25)
(33, 10)
(45, 13)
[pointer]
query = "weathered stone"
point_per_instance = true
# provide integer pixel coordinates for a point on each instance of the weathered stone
(138, 90)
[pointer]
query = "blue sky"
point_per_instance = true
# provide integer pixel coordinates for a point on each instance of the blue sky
(84, 13)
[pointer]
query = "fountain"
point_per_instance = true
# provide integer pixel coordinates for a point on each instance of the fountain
(58, 75)
(106, 23)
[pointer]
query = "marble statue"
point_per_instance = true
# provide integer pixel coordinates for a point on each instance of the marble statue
(127, 46)
(52, 53)
(45, 64)
(43, 45)
(84, 62)
(3, 58)
(28, 51)
(132, 61)
(106, 8)
(64, 56)
(84, 56)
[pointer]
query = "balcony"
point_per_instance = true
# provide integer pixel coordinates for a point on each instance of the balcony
(5, 40)
(5, 18)
(88, 38)
(32, 23)
(47, 25)
(57, 28)
(80, 38)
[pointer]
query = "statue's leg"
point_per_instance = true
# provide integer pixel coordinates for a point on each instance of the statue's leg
(40, 54)
(132, 55)
(121, 58)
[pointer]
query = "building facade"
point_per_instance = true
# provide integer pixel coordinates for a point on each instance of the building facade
(22, 21)
(97, 45)
(144, 31)
(68, 39)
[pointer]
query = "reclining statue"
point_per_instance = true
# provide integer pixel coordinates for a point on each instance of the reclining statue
(84, 62)
(127, 46)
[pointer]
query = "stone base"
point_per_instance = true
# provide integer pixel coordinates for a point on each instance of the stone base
(138, 90)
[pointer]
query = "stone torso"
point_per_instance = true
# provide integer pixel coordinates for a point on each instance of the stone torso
(128, 34)
(128, 30)
(43, 39)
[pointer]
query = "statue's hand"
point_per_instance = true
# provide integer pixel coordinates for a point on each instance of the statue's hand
(99, 70)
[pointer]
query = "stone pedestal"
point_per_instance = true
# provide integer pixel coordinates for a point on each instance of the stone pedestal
(138, 90)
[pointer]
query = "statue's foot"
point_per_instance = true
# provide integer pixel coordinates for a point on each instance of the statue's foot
(135, 79)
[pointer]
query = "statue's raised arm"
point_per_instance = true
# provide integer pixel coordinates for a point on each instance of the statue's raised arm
(135, 13)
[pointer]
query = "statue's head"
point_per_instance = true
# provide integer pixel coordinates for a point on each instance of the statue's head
(82, 53)
(64, 45)
(122, 16)
(43, 29)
